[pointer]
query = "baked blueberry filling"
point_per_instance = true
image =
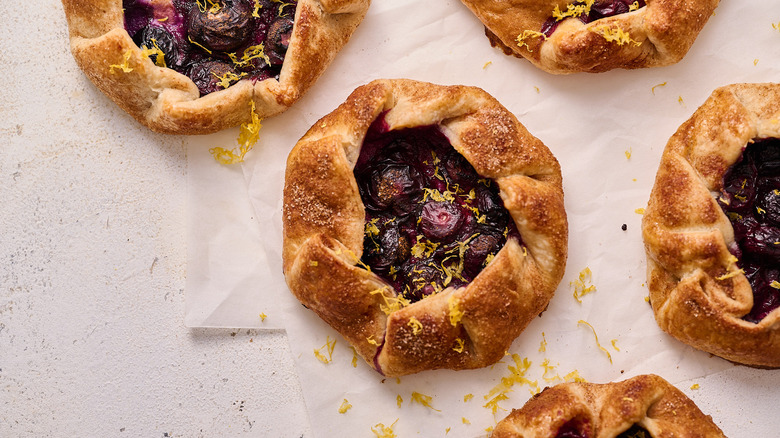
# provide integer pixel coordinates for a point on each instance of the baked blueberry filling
(577, 429)
(431, 221)
(213, 42)
(590, 10)
(751, 199)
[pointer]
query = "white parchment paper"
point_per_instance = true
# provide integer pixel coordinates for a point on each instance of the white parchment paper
(607, 130)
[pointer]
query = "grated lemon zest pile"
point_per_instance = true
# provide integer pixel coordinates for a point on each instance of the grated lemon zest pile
(329, 346)
(228, 79)
(345, 406)
(574, 376)
(573, 10)
(437, 195)
(583, 284)
(423, 248)
(467, 397)
(416, 326)
(399, 400)
(147, 52)
(354, 357)
(695, 386)
(549, 368)
(247, 138)
(663, 84)
(609, 356)
(543, 344)
(392, 303)
(125, 65)
(454, 310)
(382, 431)
(615, 34)
(424, 400)
(516, 375)
(460, 345)
(252, 52)
(521, 39)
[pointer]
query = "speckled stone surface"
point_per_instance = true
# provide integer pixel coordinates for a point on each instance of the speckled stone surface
(92, 269)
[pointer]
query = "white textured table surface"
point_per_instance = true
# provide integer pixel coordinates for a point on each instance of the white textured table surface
(92, 269)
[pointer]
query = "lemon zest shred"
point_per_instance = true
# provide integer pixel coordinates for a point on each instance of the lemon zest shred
(313, 263)
(382, 431)
(528, 33)
(775, 284)
(574, 376)
(199, 45)
(639, 211)
(583, 284)
(760, 210)
(147, 52)
(247, 137)
(573, 10)
(695, 386)
(516, 376)
(424, 400)
(454, 311)
(549, 368)
(615, 34)
(263, 316)
(680, 100)
(372, 341)
(634, 6)
(257, 7)
(662, 84)
(252, 52)
(776, 26)
(628, 154)
(162, 20)
(459, 345)
(399, 400)
(730, 274)
(329, 346)
(354, 357)
(614, 344)
(125, 65)
(609, 356)
(416, 325)
(228, 79)
(464, 420)
(345, 406)
(755, 61)
(543, 344)
(486, 64)
(467, 397)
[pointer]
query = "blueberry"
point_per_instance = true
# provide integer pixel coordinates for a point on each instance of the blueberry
(395, 186)
(278, 38)
(223, 30)
(155, 36)
(440, 220)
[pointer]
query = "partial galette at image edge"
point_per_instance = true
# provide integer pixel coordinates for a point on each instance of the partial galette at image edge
(712, 228)
(444, 242)
(197, 67)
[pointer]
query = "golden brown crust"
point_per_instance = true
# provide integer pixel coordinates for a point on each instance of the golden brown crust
(663, 29)
(687, 235)
(324, 224)
(168, 102)
(607, 410)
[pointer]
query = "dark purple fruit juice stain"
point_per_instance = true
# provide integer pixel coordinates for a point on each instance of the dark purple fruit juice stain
(218, 43)
(600, 9)
(431, 221)
(751, 199)
(577, 428)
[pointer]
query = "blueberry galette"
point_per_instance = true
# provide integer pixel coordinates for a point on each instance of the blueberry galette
(425, 224)
(198, 66)
(712, 228)
(645, 406)
(593, 35)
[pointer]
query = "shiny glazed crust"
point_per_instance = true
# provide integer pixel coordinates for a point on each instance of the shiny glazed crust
(687, 235)
(168, 102)
(610, 409)
(665, 30)
(324, 220)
